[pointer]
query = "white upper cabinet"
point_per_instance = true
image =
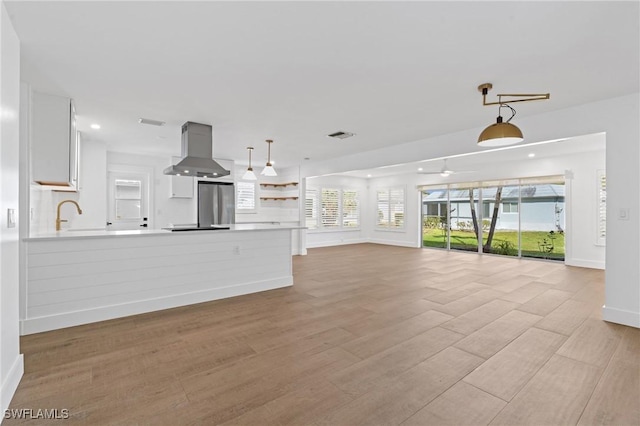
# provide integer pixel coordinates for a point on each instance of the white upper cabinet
(53, 139)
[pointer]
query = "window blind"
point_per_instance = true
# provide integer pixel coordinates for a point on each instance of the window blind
(350, 209)
(245, 196)
(330, 208)
(311, 209)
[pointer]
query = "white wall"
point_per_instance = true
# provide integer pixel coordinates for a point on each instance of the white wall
(619, 119)
(91, 196)
(580, 203)
(329, 237)
(164, 210)
(11, 362)
(273, 211)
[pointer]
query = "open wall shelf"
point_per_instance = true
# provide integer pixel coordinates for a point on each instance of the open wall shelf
(279, 185)
(278, 198)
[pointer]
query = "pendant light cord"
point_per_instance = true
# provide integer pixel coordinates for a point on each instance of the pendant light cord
(513, 111)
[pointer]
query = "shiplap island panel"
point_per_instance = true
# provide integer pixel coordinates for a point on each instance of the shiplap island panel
(76, 278)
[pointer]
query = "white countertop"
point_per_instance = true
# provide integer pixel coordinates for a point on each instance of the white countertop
(70, 234)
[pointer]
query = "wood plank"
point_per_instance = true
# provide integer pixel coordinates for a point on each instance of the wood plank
(616, 399)
(385, 366)
(594, 342)
(298, 407)
(462, 404)
(494, 336)
(387, 337)
(566, 317)
(395, 402)
(555, 396)
(546, 302)
(510, 369)
(470, 302)
(473, 320)
(526, 292)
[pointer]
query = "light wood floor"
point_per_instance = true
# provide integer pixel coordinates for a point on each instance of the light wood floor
(369, 334)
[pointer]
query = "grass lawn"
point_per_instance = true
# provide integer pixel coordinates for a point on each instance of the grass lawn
(466, 240)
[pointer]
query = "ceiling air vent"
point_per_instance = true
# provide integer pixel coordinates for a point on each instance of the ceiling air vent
(150, 122)
(341, 135)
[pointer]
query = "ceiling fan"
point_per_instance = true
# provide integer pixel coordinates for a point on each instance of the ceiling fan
(445, 171)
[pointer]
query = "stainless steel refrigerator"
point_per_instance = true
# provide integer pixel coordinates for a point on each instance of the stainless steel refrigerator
(216, 204)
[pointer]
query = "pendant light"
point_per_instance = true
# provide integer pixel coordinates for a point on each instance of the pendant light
(503, 133)
(268, 168)
(249, 175)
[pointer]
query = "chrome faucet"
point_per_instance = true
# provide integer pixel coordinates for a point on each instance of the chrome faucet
(58, 220)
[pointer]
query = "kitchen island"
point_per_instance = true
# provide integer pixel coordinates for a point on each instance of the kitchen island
(79, 277)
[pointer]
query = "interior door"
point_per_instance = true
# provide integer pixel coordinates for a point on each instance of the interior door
(128, 202)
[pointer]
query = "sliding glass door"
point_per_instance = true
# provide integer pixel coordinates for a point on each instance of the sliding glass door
(465, 231)
(435, 218)
(542, 218)
(500, 217)
(518, 217)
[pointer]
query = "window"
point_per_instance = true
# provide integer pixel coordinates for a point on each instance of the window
(602, 208)
(350, 209)
(390, 208)
(487, 211)
(509, 207)
(331, 208)
(245, 197)
(329, 204)
(311, 209)
(128, 199)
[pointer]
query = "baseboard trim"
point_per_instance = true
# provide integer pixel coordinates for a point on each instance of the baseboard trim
(10, 384)
(336, 243)
(621, 316)
(582, 263)
(394, 243)
(71, 319)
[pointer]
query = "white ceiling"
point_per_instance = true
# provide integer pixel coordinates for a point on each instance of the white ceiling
(491, 158)
(391, 72)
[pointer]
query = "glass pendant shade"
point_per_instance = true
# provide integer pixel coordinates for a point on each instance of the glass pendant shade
(269, 170)
(249, 175)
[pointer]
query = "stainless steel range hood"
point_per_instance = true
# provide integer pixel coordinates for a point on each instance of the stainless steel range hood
(197, 153)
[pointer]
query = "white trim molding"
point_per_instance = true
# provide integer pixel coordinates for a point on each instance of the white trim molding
(70, 319)
(619, 316)
(9, 386)
(582, 263)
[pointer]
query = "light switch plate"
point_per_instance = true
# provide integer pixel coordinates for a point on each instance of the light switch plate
(623, 214)
(11, 218)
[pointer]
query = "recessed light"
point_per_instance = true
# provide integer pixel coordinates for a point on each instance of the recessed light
(341, 135)
(531, 155)
(368, 175)
(215, 174)
(95, 126)
(151, 122)
(419, 169)
(186, 171)
(177, 174)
